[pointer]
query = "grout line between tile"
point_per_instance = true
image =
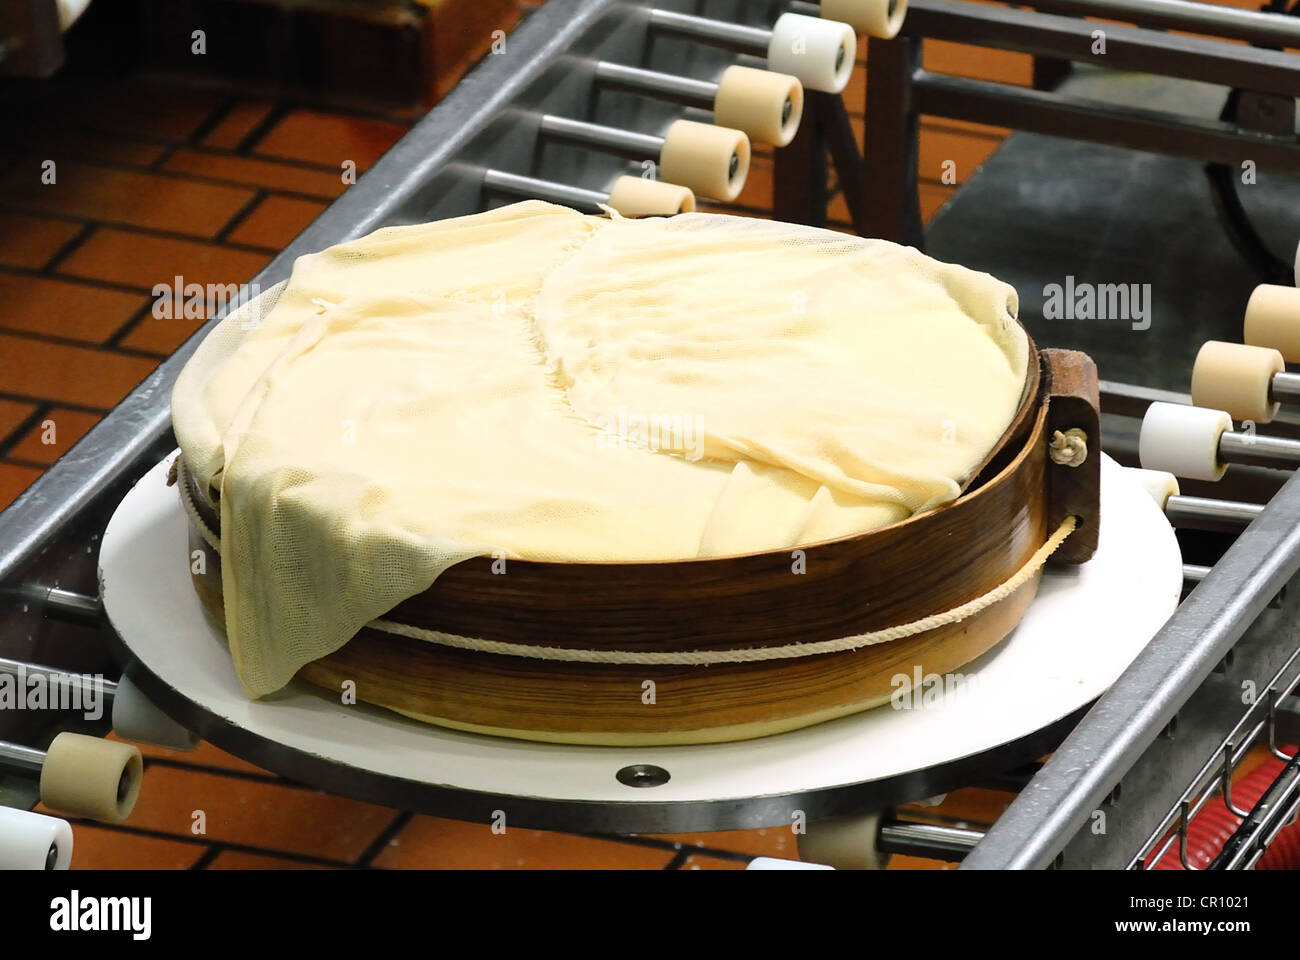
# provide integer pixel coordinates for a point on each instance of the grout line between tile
(228, 773)
(73, 278)
(115, 339)
(25, 427)
(91, 160)
(66, 249)
(678, 859)
(206, 857)
(670, 845)
(214, 120)
(242, 214)
(30, 464)
(248, 141)
(79, 344)
(79, 407)
(203, 841)
(386, 835)
(136, 228)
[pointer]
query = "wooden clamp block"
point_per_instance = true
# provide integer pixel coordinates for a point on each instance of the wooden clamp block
(1073, 402)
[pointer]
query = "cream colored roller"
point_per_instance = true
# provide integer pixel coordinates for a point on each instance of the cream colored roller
(1273, 320)
(1183, 440)
(845, 843)
(1237, 378)
(766, 106)
(819, 52)
(88, 777)
(875, 18)
(711, 161)
(639, 197)
(1160, 484)
(33, 841)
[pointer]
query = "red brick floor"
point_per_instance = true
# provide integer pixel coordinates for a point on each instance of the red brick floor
(154, 181)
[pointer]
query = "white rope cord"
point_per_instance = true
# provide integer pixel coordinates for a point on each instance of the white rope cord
(1070, 448)
(705, 657)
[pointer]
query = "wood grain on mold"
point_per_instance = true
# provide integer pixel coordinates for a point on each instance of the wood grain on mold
(865, 582)
(879, 579)
(595, 703)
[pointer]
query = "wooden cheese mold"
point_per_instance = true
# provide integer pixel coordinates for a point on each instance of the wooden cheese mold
(893, 575)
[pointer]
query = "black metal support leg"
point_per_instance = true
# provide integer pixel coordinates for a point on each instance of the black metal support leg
(845, 155)
(891, 142)
(799, 178)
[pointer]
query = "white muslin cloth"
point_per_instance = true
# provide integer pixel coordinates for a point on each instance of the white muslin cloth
(535, 383)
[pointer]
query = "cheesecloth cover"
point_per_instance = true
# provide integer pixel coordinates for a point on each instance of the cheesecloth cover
(535, 383)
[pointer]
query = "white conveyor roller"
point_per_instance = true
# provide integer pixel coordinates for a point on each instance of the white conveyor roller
(709, 161)
(33, 841)
(1183, 440)
(819, 52)
(764, 105)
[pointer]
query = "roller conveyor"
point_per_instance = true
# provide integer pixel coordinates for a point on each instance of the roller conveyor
(527, 127)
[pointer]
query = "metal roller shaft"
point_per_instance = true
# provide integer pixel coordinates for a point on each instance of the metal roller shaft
(720, 33)
(1285, 388)
(53, 675)
(25, 760)
(1204, 513)
(927, 840)
(76, 607)
(57, 603)
(624, 143)
(1251, 449)
(668, 86)
(531, 187)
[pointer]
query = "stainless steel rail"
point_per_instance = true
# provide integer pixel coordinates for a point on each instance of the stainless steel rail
(1227, 22)
(1112, 736)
